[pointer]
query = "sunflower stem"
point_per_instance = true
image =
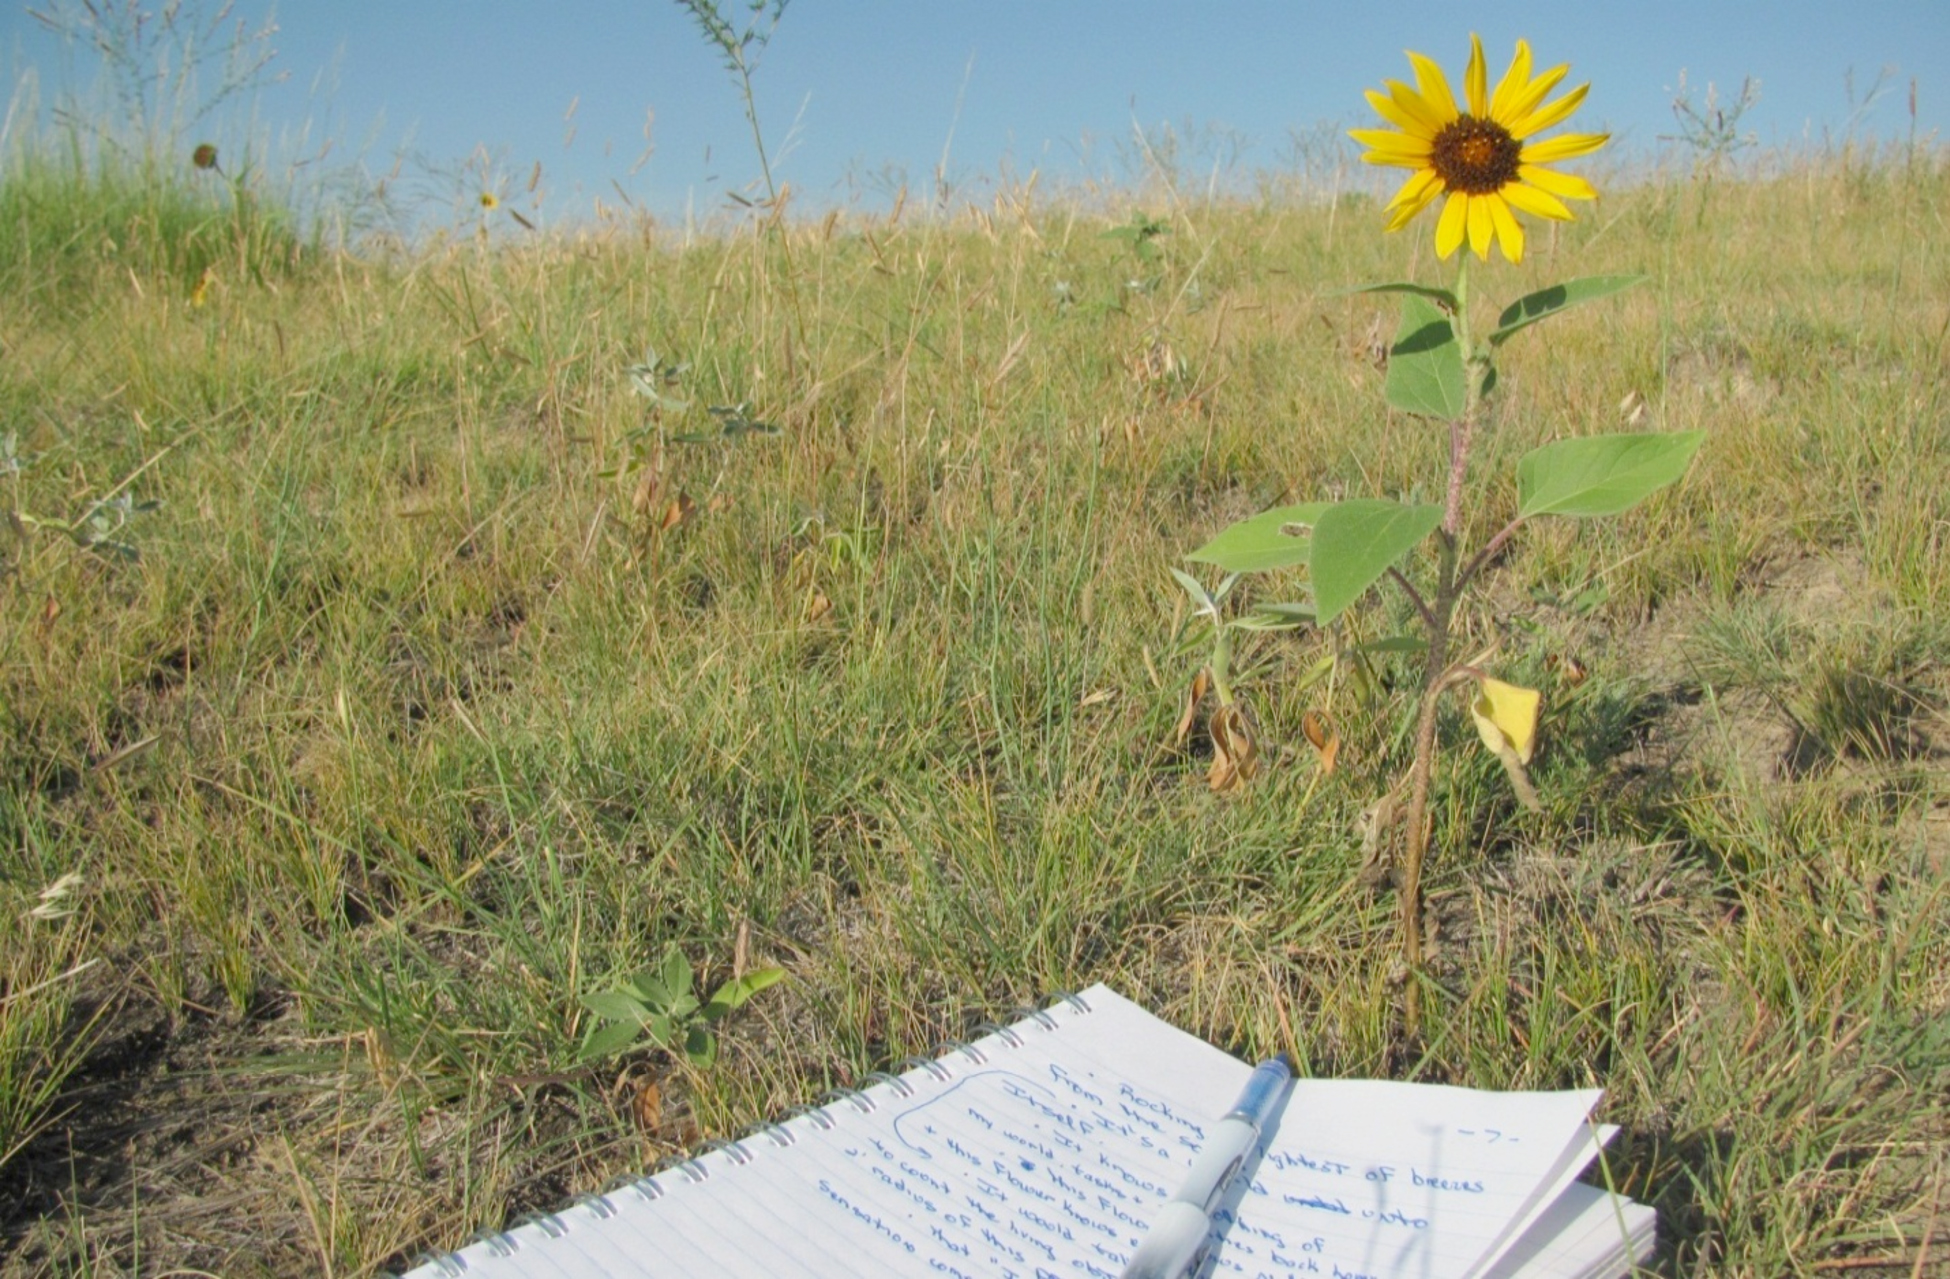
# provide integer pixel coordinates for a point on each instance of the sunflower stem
(1438, 615)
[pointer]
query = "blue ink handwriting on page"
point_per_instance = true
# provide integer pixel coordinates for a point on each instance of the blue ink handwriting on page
(1048, 1148)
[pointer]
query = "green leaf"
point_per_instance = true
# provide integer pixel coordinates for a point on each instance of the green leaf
(661, 1030)
(617, 1005)
(1394, 644)
(1601, 474)
(1442, 297)
(1544, 303)
(676, 975)
(1277, 617)
(1425, 366)
(1257, 544)
(701, 1046)
(609, 1040)
(739, 989)
(1356, 542)
(1195, 589)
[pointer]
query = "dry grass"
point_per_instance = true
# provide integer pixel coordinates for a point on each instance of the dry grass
(416, 719)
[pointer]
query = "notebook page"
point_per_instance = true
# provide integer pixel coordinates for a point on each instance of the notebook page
(1586, 1232)
(1049, 1148)
(1361, 1176)
(1578, 1154)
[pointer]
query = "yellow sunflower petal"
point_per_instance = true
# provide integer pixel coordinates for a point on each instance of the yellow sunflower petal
(1418, 190)
(1428, 121)
(1541, 204)
(1409, 101)
(1476, 80)
(1509, 232)
(1386, 107)
(1564, 146)
(1389, 140)
(1417, 194)
(1544, 117)
(1401, 217)
(1511, 84)
(1481, 225)
(1434, 87)
(1391, 148)
(1525, 101)
(1567, 185)
(1450, 227)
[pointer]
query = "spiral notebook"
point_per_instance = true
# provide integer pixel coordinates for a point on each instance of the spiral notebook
(1046, 1148)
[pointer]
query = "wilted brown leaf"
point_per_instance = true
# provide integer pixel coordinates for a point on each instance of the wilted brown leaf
(817, 605)
(680, 510)
(1192, 698)
(647, 1104)
(645, 496)
(1323, 737)
(1235, 749)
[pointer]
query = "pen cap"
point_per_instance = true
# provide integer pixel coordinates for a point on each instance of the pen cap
(1263, 1092)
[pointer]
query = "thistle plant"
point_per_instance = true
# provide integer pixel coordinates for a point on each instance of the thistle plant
(1482, 161)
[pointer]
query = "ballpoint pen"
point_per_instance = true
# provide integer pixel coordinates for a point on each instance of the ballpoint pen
(1175, 1243)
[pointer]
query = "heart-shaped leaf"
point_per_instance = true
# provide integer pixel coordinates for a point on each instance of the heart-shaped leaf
(1356, 542)
(1601, 474)
(1259, 543)
(1442, 297)
(1544, 303)
(1425, 366)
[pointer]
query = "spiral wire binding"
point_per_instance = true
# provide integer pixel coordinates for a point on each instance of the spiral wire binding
(900, 1086)
(601, 1205)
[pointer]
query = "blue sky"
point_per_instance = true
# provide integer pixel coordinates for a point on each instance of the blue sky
(854, 90)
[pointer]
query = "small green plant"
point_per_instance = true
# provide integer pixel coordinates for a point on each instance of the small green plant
(1139, 235)
(660, 381)
(1235, 737)
(98, 526)
(657, 1005)
(1481, 162)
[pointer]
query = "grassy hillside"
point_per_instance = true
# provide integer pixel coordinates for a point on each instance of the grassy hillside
(448, 684)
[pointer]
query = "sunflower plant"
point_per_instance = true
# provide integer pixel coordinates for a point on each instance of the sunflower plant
(1483, 162)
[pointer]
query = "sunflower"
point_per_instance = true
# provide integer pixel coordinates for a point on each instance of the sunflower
(1479, 159)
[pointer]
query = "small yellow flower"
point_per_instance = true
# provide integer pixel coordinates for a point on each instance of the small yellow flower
(490, 201)
(1480, 159)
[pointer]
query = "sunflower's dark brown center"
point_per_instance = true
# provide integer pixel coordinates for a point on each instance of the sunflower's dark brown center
(1475, 156)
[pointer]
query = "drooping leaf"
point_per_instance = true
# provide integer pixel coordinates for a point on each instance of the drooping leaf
(1259, 543)
(1544, 303)
(1425, 366)
(1506, 720)
(1601, 474)
(1441, 297)
(1355, 542)
(1506, 715)
(739, 989)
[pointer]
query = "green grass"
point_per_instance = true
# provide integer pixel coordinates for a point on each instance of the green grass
(412, 722)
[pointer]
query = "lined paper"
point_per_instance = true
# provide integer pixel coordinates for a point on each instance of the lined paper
(1046, 1149)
